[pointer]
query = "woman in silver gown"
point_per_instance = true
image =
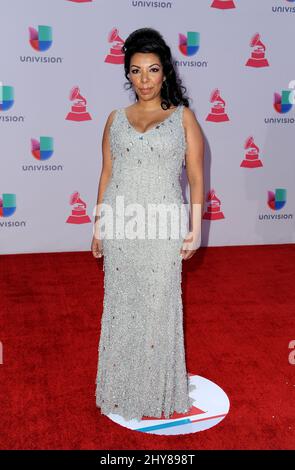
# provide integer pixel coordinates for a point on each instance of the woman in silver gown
(141, 354)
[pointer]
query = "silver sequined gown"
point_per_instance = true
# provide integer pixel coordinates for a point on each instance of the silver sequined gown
(141, 355)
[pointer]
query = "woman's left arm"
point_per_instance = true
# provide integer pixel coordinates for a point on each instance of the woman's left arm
(194, 162)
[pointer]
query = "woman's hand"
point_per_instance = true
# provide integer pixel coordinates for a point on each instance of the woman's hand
(190, 245)
(96, 248)
(96, 245)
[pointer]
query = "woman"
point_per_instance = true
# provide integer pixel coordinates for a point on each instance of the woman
(141, 365)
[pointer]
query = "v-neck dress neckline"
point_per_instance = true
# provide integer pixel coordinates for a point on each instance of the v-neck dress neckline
(152, 128)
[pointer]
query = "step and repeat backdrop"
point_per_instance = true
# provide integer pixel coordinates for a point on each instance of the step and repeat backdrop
(62, 73)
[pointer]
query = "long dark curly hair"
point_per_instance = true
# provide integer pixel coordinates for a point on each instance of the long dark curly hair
(150, 40)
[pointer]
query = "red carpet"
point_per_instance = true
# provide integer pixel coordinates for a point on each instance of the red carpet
(239, 316)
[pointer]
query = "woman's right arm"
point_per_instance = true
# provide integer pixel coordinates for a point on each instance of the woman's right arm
(106, 171)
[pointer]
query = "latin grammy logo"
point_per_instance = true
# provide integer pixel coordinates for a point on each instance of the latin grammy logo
(78, 215)
(116, 56)
(80, 1)
(217, 113)
(78, 110)
(213, 210)
(223, 4)
(251, 159)
(257, 58)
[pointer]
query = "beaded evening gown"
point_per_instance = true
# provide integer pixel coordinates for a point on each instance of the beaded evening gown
(141, 354)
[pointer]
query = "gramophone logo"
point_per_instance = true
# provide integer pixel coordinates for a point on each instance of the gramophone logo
(116, 55)
(283, 102)
(277, 200)
(80, 1)
(217, 113)
(6, 97)
(251, 158)
(189, 44)
(257, 58)
(78, 215)
(213, 211)
(78, 109)
(7, 204)
(41, 39)
(223, 4)
(42, 149)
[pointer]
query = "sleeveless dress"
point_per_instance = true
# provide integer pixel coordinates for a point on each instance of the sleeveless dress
(141, 354)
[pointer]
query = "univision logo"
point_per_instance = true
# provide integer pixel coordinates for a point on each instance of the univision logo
(284, 8)
(189, 46)
(6, 97)
(148, 4)
(7, 205)
(40, 39)
(6, 102)
(283, 104)
(42, 149)
(276, 200)
(7, 209)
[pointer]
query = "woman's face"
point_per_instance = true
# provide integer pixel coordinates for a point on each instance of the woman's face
(146, 75)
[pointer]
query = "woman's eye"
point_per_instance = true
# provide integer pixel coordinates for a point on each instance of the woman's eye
(153, 70)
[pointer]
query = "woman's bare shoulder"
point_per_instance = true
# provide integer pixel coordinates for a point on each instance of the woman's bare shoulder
(189, 118)
(188, 114)
(111, 117)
